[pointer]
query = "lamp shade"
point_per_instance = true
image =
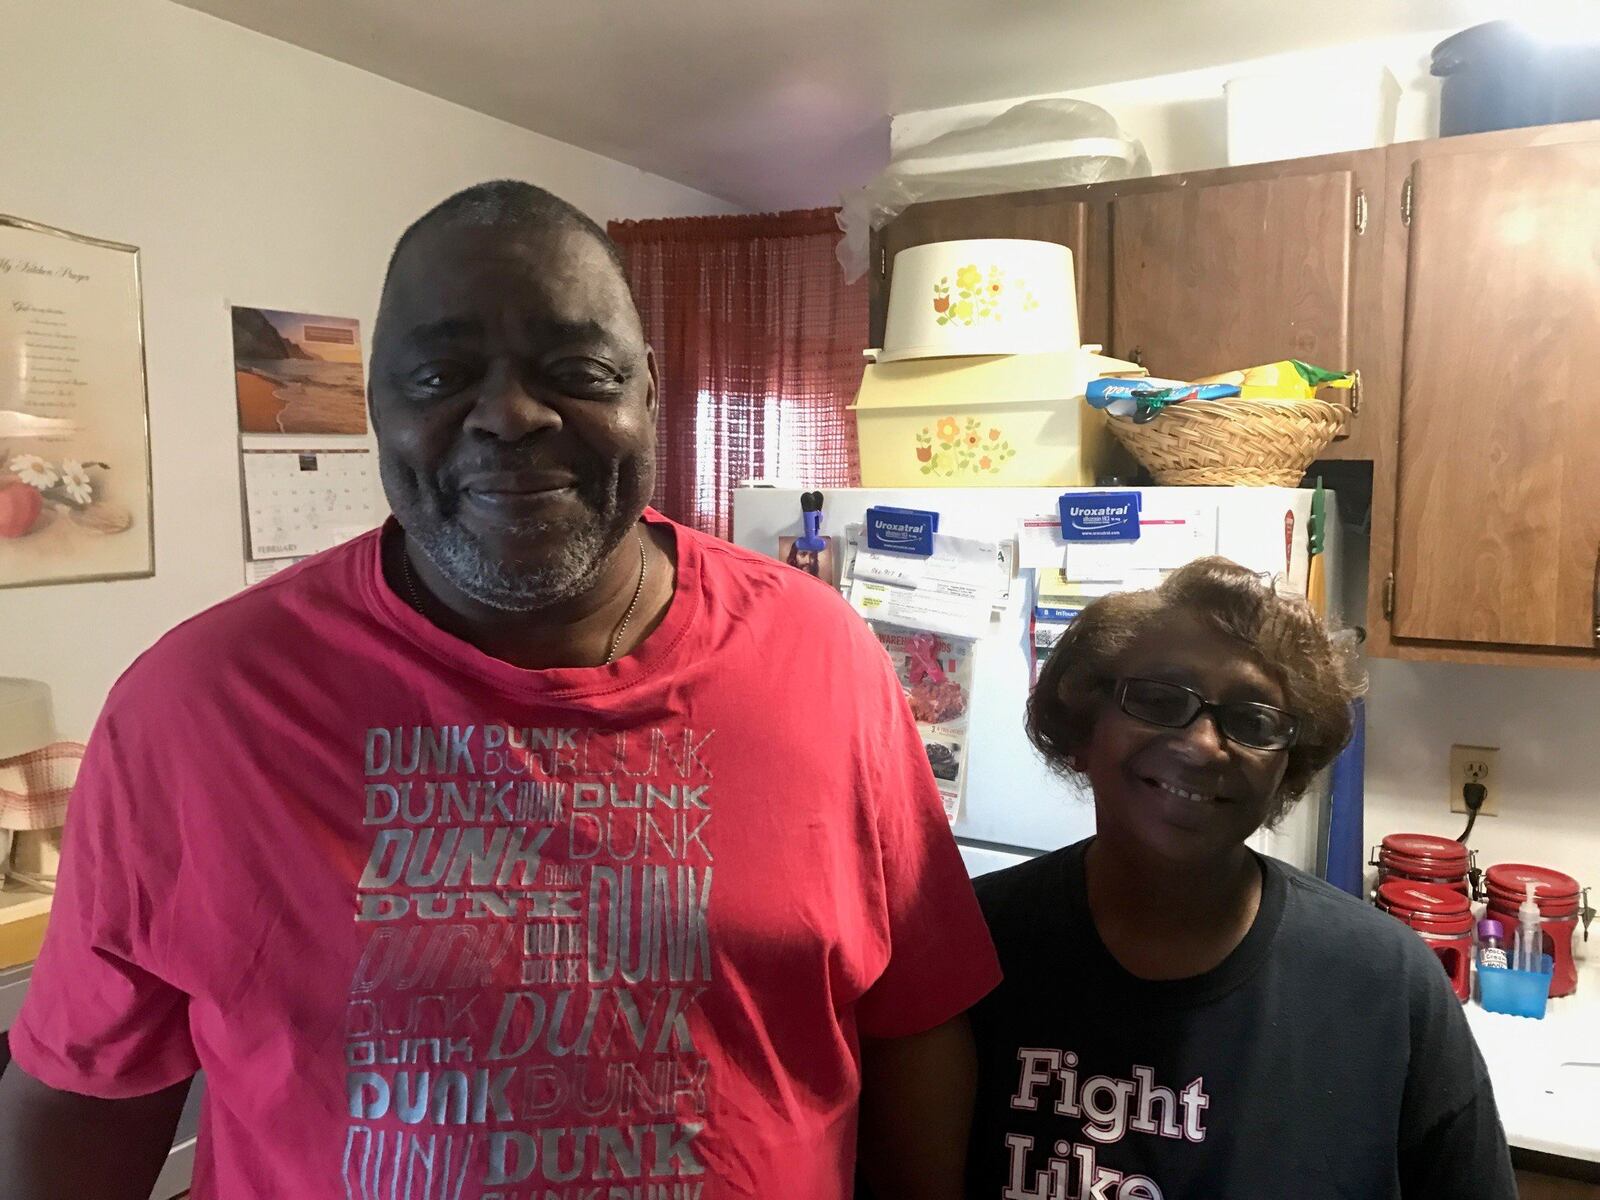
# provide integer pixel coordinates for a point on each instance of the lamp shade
(26, 720)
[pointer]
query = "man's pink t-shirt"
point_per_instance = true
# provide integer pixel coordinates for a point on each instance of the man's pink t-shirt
(439, 928)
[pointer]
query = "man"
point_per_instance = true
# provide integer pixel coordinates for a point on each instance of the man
(532, 847)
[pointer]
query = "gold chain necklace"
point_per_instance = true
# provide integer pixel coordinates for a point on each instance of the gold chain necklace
(616, 641)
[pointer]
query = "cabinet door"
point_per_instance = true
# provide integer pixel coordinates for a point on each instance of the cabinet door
(1226, 275)
(1045, 216)
(1534, 1186)
(1497, 527)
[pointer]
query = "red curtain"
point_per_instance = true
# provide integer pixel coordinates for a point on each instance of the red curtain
(758, 340)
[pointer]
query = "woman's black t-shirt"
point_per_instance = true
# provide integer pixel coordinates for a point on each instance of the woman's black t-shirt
(1325, 1057)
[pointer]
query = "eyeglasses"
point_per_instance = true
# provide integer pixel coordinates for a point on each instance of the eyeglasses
(1173, 706)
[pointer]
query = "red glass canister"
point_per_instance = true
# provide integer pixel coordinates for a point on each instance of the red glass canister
(1558, 897)
(1424, 858)
(1442, 917)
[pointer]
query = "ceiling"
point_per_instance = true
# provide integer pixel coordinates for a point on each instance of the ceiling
(784, 103)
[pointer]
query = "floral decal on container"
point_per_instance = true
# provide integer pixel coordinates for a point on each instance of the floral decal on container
(979, 296)
(949, 448)
(32, 488)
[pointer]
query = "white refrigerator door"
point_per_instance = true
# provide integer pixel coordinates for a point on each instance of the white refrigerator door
(1014, 803)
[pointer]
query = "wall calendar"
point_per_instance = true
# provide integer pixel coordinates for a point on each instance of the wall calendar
(303, 501)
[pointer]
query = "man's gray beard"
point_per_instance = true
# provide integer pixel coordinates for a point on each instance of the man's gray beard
(573, 570)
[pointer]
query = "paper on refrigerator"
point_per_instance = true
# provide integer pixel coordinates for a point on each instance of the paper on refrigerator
(936, 674)
(1171, 533)
(1090, 589)
(1274, 549)
(855, 537)
(1057, 602)
(1168, 538)
(1040, 546)
(951, 592)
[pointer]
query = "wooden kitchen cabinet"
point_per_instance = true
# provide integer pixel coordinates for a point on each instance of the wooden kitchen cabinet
(1225, 269)
(1486, 535)
(1549, 1177)
(1533, 1186)
(1222, 275)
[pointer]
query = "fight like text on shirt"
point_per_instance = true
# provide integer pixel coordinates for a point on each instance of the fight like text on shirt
(1110, 1110)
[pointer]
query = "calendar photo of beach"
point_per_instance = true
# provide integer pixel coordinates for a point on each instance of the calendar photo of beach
(298, 373)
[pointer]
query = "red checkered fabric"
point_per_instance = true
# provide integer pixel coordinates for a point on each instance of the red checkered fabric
(758, 342)
(34, 787)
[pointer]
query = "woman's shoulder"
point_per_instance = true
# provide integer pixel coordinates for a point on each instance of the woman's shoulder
(1029, 904)
(1349, 938)
(1025, 884)
(1333, 908)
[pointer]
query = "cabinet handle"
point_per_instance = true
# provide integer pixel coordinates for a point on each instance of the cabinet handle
(1136, 356)
(1595, 609)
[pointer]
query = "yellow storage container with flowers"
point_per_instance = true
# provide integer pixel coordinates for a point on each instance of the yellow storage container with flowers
(993, 421)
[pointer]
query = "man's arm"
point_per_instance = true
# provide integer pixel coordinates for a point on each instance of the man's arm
(62, 1146)
(916, 1112)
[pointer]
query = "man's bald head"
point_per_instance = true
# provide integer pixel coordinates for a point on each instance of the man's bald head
(513, 396)
(512, 205)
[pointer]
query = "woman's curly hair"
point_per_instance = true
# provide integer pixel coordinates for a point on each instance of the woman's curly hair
(1277, 630)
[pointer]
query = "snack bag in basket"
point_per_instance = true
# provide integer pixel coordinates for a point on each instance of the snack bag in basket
(1287, 379)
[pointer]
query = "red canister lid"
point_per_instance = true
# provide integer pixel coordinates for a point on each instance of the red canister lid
(1509, 880)
(1429, 869)
(1549, 910)
(1428, 906)
(1441, 853)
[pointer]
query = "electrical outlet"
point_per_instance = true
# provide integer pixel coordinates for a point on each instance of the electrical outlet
(1475, 764)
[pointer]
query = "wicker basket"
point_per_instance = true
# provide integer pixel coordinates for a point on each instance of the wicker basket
(1220, 443)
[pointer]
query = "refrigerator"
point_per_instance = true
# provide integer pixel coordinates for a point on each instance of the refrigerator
(1013, 806)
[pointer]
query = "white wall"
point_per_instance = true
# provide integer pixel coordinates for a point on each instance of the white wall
(1182, 118)
(249, 171)
(1546, 722)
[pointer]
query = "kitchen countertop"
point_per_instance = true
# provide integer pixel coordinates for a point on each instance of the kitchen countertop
(1547, 1073)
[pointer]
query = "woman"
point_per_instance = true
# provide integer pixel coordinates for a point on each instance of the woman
(1180, 1016)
